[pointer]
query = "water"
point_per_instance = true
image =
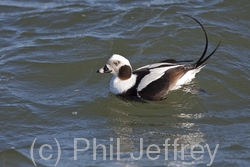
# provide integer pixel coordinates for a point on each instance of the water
(49, 89)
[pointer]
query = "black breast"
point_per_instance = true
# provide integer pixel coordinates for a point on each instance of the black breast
(133, 91)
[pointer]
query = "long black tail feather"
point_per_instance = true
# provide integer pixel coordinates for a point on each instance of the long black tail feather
(201, 63)
(202, 60)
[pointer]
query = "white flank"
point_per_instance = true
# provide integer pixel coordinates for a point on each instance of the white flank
(187, 78)
(154, 74)
(118, 86)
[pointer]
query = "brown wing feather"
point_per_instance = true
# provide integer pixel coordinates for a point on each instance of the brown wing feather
(157, 89)
(174, 75)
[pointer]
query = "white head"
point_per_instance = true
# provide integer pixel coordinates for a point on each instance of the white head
(119, 66)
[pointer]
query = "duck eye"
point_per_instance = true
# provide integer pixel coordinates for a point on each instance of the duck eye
(116, 63)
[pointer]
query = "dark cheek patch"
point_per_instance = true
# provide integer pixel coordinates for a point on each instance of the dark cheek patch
(125, 72)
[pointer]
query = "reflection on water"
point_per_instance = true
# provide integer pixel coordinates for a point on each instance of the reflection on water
(154, 125)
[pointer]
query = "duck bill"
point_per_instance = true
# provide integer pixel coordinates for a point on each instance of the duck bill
(104, 69)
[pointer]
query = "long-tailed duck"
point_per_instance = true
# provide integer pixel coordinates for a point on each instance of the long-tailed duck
(154, 81)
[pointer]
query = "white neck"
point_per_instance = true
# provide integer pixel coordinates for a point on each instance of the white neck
(118, 86)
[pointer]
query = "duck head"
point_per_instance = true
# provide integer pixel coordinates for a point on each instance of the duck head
(118, 66)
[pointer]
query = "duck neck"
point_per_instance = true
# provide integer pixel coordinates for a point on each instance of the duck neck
(119, 86)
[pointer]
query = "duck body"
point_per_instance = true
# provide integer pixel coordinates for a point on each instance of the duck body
(151, 82)
(154, 81)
